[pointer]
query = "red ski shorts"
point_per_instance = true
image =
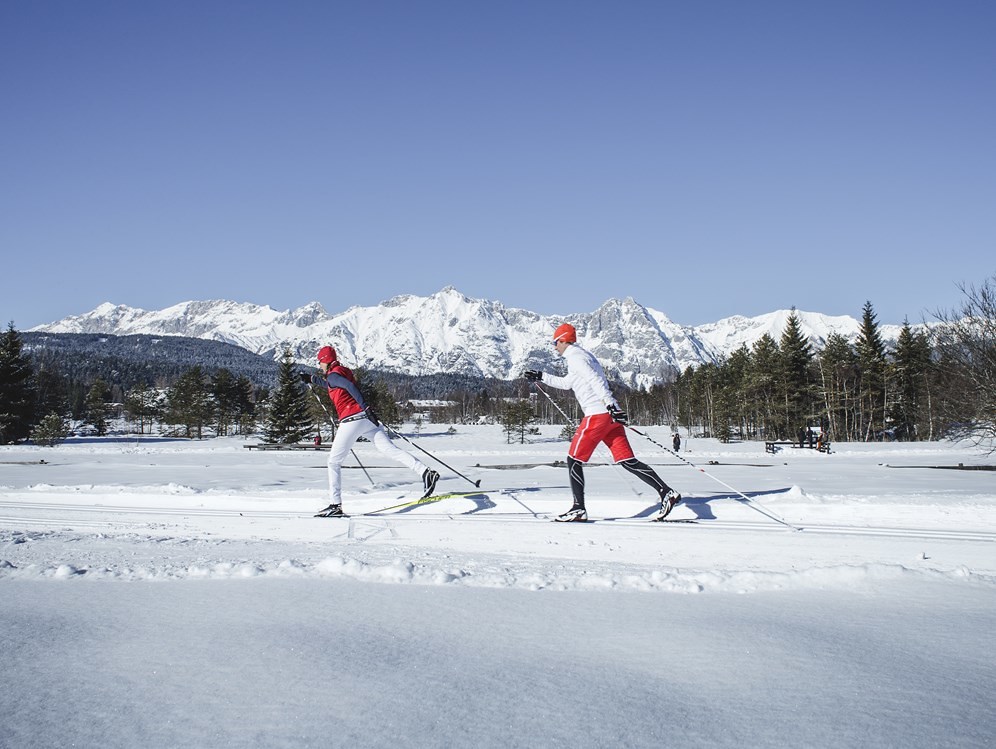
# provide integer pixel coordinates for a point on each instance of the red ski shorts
(600, 428)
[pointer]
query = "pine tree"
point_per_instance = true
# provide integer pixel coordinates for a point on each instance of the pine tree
(143, 404)
(95, 407)
(910, 365)
(515, 417)
(225, 391)
(763, 385)
(795, 358)
(288, 419)
(17, 389)
(245, 405)
(51, 430)
(871, 358)
(838, 366)
(52, 392)
(189, 402)
(738, 370)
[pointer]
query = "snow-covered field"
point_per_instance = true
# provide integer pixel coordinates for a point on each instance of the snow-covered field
(165, 593)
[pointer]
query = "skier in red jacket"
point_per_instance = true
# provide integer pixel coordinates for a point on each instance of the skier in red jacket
(356, 420)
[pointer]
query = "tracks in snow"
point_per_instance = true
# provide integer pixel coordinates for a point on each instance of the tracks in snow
(85, 516)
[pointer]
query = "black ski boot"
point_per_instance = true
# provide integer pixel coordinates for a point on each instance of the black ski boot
(429, 480)
(576, 514)
(668, 501)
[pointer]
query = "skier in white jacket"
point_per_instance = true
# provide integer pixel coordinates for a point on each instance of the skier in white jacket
(603, 421)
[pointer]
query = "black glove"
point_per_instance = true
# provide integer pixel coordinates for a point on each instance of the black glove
(618, 415)
(305, 377)
(533, 375)
(372, 415)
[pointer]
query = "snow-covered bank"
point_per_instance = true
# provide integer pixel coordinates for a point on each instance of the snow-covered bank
(167, 593)
(294, 663)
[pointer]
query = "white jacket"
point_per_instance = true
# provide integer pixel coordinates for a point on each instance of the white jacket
(586, 378)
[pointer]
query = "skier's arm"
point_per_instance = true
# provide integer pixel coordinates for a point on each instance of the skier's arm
(333, 381)
(535, 375)
(561, 383)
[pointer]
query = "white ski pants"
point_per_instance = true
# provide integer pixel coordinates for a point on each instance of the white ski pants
(347, 435)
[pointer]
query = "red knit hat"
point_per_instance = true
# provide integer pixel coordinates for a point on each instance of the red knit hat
(565, 333)
(326, 355)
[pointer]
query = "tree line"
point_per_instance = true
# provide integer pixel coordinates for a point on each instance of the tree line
(937, 381)
(46, 401)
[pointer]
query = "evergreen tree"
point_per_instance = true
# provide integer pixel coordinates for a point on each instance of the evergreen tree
(871, 358)
(143, 404)
(95, 407)
(245, 405)
(515, 417)
(838, 366)
(288, 419)
(226, 395)
(763, 385)
(795, 360)
(910, 365)
(189, 403)
(52, 392)
(17, 389)
(51, 430)
(737, 376)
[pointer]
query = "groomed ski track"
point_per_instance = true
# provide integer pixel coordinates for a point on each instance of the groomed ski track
(70, 515)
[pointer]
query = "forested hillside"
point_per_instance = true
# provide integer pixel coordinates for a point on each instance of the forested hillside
(154, 361)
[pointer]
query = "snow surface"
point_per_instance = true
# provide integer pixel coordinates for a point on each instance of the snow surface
(167, 593)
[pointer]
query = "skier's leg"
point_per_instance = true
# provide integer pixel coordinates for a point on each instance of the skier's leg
(345, 436)
(575, 472)
(646, 474)
(376, 434)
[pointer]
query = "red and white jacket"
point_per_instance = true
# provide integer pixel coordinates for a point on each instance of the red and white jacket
(343, 393)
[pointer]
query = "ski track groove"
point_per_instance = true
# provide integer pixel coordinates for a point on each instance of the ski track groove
(410, 516)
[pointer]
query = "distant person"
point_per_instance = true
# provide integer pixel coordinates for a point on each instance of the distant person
(812, 438)
(802, 437)
(676, 441)
(318, 440)
(356, 420)
(603, 422)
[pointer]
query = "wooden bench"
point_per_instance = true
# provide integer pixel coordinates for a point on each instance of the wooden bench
(772, 446)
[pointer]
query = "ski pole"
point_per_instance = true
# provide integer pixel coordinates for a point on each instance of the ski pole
(352, 452)
(756, 506)
(556, 405)
(399, 434)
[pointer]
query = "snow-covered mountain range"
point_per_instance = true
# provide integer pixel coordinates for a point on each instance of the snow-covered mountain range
(449, 332)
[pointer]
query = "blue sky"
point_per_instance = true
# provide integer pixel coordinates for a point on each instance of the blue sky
(706, 158)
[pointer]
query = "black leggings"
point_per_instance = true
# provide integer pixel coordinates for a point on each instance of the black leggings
(575, 470)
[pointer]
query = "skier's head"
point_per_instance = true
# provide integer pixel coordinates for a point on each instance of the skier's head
(326, 355)
(565, 334)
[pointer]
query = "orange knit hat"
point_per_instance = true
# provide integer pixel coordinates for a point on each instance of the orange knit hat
(566, 333)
